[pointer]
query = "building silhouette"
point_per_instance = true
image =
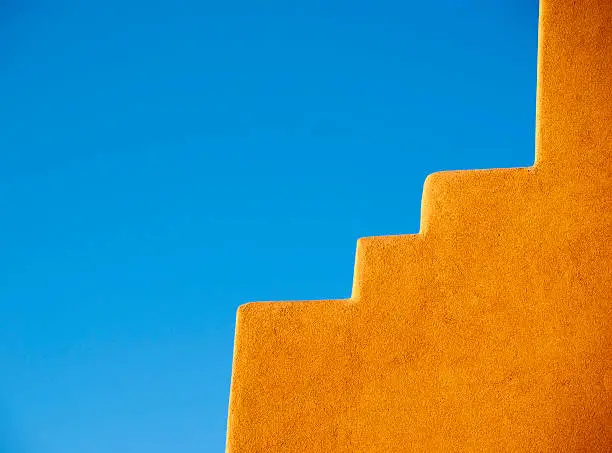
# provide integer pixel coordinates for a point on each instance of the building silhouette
(490, 329)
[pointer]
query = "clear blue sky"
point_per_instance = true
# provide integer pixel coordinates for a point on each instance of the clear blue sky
(162, 162)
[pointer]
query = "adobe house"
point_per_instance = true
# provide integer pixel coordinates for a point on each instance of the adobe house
(489, 330)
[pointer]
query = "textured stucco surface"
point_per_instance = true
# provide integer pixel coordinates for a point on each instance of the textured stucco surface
(491, 329)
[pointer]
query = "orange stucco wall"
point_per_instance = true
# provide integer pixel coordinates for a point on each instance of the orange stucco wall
(491, 329)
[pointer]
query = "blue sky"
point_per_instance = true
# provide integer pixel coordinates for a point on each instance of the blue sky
(163, 162)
